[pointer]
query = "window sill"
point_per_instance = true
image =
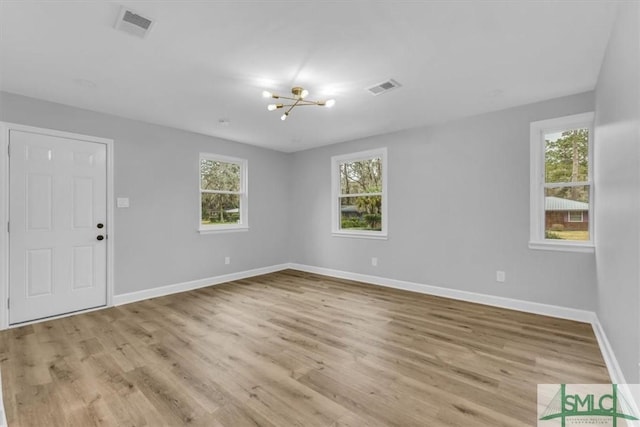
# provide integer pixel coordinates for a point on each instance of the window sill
(360, 235)
(563, 247)
(222, 230)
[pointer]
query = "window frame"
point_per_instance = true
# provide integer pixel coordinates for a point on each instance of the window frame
(575, 220)
(538, 130)
(336, 161)
(243, 224)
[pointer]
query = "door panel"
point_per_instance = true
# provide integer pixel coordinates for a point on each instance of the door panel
(39, 272)
(82, 267)
(57, 196)
(39, 189)
(82, 206)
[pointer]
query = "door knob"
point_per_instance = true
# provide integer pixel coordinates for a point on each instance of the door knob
(100, 225)
(100, 237)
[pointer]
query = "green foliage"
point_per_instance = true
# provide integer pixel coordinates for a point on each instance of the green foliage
(551, 235)
(225, 218)
(352, 223)
(360, 177)
(363, 179)
(567, 160)
(219, 208)
(373, 220)
(222, 176)
(369, 204)
(362, 221)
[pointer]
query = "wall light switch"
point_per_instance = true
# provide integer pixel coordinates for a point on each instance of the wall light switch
(122, 202)
(374, 261)
(500, 276)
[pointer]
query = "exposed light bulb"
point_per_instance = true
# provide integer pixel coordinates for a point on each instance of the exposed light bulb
(284, 116)
(271, 107)
(304, 93)
(266, 94)
(330, 103)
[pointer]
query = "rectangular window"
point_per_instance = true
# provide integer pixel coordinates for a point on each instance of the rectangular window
(562, 183)
(223, 193)
(359, 194)
(576, 216)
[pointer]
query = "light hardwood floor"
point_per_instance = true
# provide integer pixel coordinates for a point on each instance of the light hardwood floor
(292, 349)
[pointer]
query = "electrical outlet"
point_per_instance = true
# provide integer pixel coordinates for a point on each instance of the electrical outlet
(500, 276)
(374, 261)
(227, 260)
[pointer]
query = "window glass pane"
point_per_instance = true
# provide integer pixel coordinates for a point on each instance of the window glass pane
(566, 215)
(222, 176)
(566, 156)
(361, 213)
(576, 216)
(220, 209)
(363, 176)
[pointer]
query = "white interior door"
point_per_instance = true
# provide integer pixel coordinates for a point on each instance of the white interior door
(57, 228)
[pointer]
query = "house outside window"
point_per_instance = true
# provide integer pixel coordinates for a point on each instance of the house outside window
(223, 193)
(359, 200)
(562, 183)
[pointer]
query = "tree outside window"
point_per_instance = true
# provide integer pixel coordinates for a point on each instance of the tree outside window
(359, 193)
(562, 183)
(567, 181)
(222, 192)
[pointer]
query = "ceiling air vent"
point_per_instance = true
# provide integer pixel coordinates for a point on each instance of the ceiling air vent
(383, 87)
(132, 23)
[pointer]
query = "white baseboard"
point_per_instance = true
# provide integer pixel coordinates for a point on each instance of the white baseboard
(513, 304)
(194, 284)
(3, 414)
(617, 377)
(608, 355)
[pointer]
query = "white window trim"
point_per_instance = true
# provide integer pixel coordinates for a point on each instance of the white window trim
(335, 193)
(243, 225)
(578, 220)
(537, 213)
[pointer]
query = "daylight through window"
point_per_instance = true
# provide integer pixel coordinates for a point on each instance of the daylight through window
(562, 183)
(359, 183)
(223, 195)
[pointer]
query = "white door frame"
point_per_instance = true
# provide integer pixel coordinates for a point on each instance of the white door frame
(4, 212)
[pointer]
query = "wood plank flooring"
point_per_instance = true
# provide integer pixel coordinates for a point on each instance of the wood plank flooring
(292, 349)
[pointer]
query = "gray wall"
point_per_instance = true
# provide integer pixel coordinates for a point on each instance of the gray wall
(458, 203)
(617, 175)
(157, 242)
(458, 210)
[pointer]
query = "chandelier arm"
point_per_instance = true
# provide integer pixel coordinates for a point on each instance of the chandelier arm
(285, 97)
(305, 102)
(300, 101)
(292, 107)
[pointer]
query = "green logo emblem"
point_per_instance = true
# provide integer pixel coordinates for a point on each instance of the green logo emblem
(594, 404)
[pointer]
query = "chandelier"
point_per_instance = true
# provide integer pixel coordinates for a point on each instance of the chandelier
(298, 100)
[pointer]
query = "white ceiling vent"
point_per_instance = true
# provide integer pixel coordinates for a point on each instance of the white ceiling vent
(383, 87)
(133, 23)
